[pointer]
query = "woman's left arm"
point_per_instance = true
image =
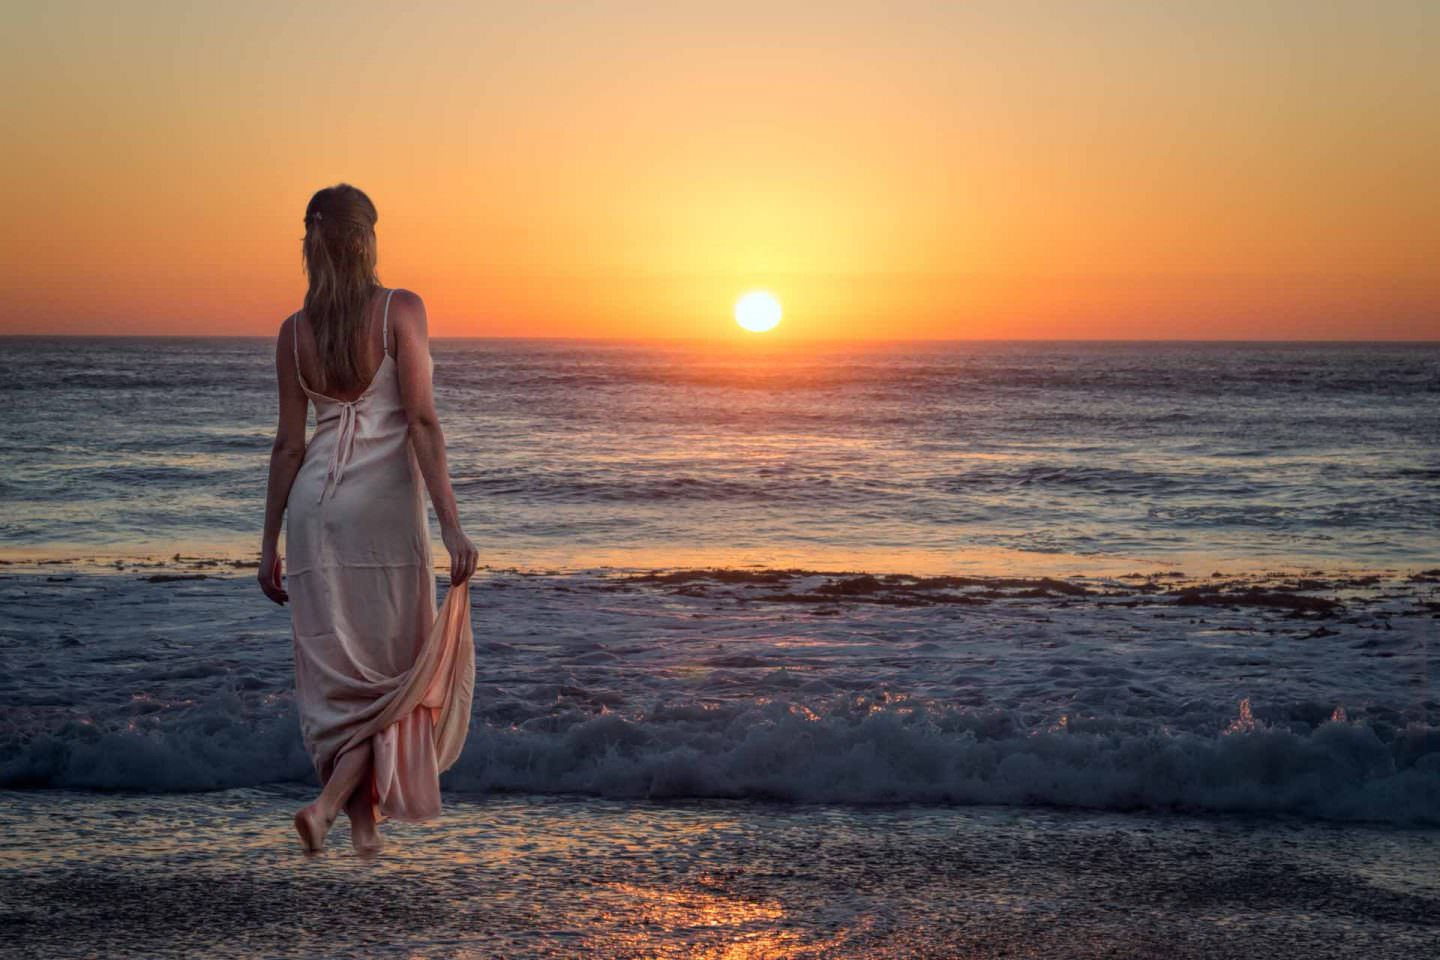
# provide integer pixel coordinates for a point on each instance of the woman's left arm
(286, 455)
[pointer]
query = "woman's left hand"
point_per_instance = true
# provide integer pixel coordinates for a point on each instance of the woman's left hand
(463, 555)
(269, 575)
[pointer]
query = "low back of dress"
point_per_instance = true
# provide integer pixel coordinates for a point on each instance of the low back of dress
(373, 661)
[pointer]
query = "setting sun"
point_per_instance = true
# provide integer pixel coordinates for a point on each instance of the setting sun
(758, 311)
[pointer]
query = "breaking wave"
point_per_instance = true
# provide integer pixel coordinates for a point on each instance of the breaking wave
(785, 751)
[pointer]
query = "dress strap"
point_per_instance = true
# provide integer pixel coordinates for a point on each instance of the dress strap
(385, 324)
(295, 342)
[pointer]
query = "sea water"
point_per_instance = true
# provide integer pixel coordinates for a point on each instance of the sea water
(907, 457)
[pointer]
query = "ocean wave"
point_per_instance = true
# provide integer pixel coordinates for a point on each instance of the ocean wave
(847, 751)
(1084, 477)
(607, 485)
(1405, 512)
(807, 483)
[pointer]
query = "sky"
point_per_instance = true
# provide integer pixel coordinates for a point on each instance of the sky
(1206, 170)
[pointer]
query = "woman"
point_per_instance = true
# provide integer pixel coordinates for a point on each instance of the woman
(383, 684)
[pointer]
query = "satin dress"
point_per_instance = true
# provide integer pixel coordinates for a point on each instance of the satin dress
(374, 660)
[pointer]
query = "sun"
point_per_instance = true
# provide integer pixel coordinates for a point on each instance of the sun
(758, 311)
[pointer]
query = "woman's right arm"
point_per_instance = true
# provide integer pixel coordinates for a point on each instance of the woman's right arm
(286, 455)
(412, 353)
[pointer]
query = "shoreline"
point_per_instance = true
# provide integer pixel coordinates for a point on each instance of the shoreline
(1299, 591)
(1010, 565)
(301, 793)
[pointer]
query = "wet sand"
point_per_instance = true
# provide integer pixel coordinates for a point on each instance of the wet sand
(220, 875)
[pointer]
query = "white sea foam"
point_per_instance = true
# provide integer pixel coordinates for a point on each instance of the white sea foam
(697, 687)
(788, 751)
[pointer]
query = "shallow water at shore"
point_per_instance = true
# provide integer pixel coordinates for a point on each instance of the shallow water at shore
(1311, 695)
(220, 875)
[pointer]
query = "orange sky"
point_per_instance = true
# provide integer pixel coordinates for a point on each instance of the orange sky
(887, 169)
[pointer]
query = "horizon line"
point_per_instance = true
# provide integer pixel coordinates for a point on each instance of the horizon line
(756, 338)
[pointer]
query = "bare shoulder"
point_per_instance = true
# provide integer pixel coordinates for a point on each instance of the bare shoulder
(287, 330)
(407, 310)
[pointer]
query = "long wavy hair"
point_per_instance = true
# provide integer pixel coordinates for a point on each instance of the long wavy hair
(339, 254)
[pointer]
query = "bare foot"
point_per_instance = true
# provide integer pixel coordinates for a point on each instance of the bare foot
(364, 831)
(312, 826)
(367, 841)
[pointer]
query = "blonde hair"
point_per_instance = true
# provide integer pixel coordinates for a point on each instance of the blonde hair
(339, 255)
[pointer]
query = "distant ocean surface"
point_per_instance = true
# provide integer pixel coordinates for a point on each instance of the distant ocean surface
(896, 457)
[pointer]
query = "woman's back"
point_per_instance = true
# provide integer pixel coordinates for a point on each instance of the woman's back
(376, 343)
(359, 458)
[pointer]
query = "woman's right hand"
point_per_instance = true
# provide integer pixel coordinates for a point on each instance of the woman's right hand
(270, 576)
(463, 555)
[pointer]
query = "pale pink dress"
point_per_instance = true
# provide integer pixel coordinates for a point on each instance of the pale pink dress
(373, 660)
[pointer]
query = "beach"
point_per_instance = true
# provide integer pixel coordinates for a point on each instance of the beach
(219, 875)
(998, 650)
(746, 764)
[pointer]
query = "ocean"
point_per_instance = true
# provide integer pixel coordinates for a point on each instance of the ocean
(908, 457)
(799, 650)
